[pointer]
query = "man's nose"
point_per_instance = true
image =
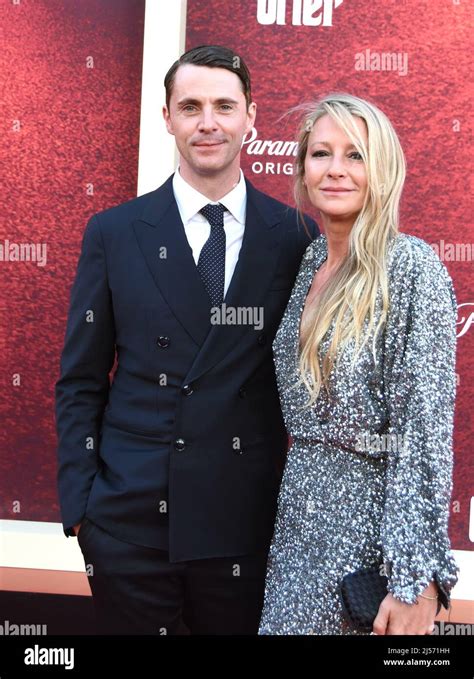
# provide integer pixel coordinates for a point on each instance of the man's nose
(207, 120)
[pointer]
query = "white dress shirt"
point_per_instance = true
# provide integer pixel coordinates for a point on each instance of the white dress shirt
(198, 229)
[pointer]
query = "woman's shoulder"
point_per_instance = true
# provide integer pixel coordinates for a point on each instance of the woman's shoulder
(415, 272)
(406, 245)
(413, 256)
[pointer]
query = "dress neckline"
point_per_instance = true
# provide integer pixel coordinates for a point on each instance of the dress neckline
(318, 252)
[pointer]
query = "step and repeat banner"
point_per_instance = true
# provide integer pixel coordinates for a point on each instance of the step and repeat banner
(71, 112)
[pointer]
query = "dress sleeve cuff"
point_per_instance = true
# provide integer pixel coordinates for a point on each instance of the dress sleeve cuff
(407, 587)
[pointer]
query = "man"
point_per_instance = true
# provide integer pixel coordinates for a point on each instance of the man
(169, 476)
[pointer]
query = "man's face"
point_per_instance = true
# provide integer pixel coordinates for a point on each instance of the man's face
(208, 117)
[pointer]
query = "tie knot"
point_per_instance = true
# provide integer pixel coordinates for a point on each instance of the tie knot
(214, 214)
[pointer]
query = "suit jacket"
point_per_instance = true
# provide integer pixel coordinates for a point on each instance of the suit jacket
(183, 450)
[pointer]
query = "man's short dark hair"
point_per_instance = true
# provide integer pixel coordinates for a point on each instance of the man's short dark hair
(213, 56)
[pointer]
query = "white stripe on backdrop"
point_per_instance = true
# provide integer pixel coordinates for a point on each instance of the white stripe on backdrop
(164, 41)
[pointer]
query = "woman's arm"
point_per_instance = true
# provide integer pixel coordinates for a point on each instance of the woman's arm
(419, 387)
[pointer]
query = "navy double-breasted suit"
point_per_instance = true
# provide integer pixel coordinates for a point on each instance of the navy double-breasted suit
(183, 449)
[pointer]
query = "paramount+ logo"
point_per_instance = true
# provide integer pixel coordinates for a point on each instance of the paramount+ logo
(302, 12)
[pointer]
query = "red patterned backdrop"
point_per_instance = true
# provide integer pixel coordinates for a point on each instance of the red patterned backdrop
(71, 85)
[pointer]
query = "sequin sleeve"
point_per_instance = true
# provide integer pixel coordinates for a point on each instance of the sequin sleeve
(419, 388)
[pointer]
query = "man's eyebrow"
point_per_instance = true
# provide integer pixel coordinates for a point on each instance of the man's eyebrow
(226, 100)
(188, 100)
(195, 102)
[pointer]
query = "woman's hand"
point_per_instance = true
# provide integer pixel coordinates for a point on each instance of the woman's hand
(396, 617)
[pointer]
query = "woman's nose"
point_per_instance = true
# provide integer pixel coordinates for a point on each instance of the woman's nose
(336, 166)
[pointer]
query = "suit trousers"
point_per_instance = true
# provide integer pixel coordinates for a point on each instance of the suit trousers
(136, 590)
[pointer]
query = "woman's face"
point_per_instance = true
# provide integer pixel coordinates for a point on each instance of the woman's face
(335, 175)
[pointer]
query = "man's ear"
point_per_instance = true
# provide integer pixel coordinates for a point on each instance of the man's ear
(251, 115)
(167, 119)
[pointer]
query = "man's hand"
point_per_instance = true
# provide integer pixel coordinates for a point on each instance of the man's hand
(77, 528)
(396, 617)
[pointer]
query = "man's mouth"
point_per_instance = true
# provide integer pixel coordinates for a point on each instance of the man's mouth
(208, 144)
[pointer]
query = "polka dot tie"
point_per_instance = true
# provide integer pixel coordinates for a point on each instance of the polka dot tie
(211, 263)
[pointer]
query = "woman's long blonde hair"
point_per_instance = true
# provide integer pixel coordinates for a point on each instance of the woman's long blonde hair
(349, 298)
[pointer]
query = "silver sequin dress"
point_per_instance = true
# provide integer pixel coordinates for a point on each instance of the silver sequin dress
(368, 477)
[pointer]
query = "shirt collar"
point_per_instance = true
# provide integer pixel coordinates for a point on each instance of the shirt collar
(190, 201)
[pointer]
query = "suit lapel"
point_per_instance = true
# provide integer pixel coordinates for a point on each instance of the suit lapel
(163, 243)
(164, 246)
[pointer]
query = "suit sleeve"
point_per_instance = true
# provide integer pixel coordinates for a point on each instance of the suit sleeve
(81, 392)
(419, 385)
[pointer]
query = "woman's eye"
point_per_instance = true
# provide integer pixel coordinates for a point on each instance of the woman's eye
(354, 155)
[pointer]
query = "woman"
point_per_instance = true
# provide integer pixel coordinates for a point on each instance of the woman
(365, 362)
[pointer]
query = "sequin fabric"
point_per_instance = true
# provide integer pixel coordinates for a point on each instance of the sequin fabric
(368, 477)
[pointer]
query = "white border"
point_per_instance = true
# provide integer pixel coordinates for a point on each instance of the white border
(164, 40)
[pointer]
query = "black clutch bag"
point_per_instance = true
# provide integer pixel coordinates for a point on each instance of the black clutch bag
(361, 594)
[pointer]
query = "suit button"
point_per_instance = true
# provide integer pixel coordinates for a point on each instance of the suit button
(163, 342)
(261, 339)
(187, 390)
(180, 444)
(242, 392)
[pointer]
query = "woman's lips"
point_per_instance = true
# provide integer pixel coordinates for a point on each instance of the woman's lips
(330, 190)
